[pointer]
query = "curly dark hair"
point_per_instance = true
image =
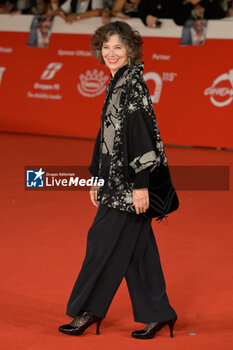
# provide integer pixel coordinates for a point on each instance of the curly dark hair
(129, 37)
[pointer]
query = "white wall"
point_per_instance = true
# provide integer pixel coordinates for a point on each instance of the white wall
(220, 29)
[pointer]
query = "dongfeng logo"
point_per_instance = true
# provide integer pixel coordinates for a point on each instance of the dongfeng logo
(223, 92)
(92, 83)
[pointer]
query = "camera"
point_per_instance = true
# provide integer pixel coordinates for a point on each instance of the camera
(158, 24)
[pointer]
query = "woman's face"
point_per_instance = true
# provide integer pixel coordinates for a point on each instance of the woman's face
(114, 53)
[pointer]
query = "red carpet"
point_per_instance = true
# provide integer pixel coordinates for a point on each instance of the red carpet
(43, 238)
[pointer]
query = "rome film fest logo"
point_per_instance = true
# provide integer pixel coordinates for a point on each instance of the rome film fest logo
(221, 91)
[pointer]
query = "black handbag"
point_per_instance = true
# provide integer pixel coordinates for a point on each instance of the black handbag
(162, 195)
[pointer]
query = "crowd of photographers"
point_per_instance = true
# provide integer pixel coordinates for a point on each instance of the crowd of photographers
(150, 11)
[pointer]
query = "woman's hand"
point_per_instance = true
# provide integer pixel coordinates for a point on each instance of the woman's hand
(230, 13)
(106, 16)
(15, 13)
(72, 17)
(151, 21)
(194, 2)
(93, 195)
(141, 200)
(121, 15)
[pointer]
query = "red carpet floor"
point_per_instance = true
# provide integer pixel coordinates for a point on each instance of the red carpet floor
(43, 238)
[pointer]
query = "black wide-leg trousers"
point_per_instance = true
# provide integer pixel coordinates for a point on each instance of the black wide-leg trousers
(121, 244)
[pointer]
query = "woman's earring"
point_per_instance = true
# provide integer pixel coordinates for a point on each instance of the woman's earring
(129, 61)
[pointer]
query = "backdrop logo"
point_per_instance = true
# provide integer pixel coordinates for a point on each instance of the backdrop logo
(158, 85)
(2, 69)
(92, 83)
(158, 81)
(223, 92)
(51, 70)
(35, 178)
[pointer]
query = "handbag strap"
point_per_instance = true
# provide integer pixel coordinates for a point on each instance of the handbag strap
(161, 218)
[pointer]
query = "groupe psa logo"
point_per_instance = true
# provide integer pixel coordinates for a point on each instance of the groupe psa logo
(223, 92)
(51, 70)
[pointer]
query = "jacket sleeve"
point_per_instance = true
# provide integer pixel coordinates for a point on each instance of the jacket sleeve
(182, 12)
(144, 10)
(94, 167)
(142, 179)
(148, 7)
(138, 142)
(213, 10)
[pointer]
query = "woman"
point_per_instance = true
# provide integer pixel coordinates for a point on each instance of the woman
(121, 242)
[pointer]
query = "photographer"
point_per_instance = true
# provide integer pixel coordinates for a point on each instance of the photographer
(7, 6)
(227, 6)
(150, 10)
(197, 9)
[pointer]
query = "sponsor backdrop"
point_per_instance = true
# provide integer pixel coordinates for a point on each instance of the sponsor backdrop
(60, 90)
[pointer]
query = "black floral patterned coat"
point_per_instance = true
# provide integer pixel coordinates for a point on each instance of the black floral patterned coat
(128, 141)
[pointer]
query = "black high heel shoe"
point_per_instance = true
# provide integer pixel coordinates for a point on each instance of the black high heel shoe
(80, 323)
(152, 328)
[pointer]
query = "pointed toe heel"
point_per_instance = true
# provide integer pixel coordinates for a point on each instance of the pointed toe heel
(171, 324)
(98, 326)
(152, 329)
(80, 324)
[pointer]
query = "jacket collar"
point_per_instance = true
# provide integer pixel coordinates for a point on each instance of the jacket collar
(119, 73)
(137, 68)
